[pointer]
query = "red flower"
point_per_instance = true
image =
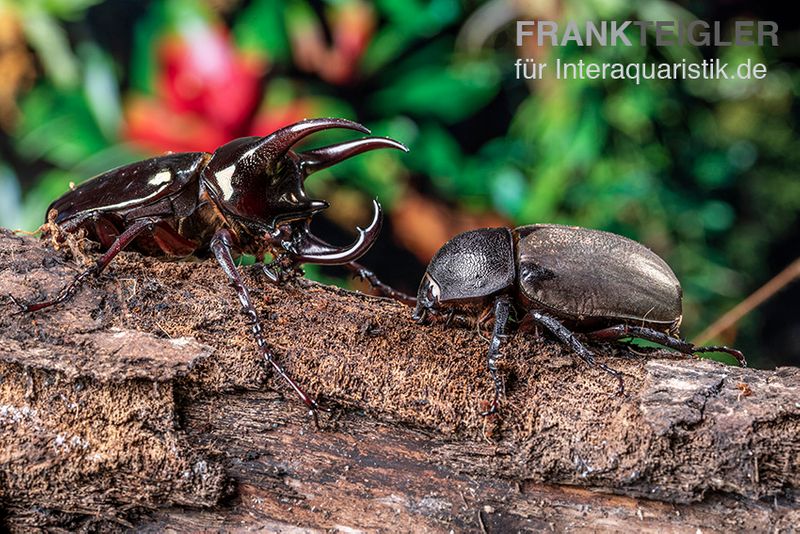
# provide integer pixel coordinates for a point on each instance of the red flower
(203, 73)
(207, 93)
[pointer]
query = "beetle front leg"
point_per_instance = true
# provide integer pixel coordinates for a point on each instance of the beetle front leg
(124, 239)
(502, 308)
(614, 333)
(384, 289)
(569, 339)
(221, 245)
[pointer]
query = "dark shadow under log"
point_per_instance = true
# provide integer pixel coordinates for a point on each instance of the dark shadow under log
(143, 403)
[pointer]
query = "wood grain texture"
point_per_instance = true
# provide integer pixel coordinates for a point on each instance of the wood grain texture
(143, 403)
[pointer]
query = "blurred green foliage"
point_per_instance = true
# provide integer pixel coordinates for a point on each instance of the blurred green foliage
(701, 171)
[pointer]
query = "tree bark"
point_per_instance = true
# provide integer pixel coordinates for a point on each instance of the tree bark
(143, 403)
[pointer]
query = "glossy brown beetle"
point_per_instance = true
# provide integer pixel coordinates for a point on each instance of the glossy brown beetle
(565, 278)
(248, 197)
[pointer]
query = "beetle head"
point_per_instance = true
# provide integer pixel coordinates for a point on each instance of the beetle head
(259, 181)
(427, 298)
(467, 270)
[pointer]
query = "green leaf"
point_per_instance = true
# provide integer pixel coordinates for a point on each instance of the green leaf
(50, 42)
(437, 154)
(10, 214)
(58, 126)
(508, 189)
(51, 185)
(65, 9)
(420, 17)
(260, 27)
(144, 66)
(101, 89)
(448, 93)
(407, 23)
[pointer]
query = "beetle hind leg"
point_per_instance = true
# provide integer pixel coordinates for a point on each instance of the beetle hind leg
(614, 333)
(568, 338)
(122, 241)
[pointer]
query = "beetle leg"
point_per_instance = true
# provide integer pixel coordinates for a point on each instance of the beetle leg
(568, 338)
(221, 247)
(662, 338)
(124, 239)
(385, 290)
(502, 308)
(282, 268)
(269, 271)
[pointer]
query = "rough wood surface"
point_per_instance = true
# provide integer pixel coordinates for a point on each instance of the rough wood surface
(143, 403)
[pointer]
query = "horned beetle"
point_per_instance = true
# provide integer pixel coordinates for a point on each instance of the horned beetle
(247, 197)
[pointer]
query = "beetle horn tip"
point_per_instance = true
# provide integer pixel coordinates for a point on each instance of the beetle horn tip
(377, 216)
(344, 123)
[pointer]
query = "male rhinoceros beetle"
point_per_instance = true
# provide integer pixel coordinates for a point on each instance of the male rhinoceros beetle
(247, 197)
(564, 278)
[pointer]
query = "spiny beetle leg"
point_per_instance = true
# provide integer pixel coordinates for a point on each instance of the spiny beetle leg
(568, 338)
(385, 290)
(221, 245)
(124, 239)
(502, 307)
(620, 331)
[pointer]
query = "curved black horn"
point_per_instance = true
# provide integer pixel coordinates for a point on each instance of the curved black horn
(321, 158)
(308, 248)
(280, 141)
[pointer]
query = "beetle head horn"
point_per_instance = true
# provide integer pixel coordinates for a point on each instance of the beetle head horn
(274, 146)
(260, 154)
(308, 248)
(259, 180)
(255, 179)
(312, 161)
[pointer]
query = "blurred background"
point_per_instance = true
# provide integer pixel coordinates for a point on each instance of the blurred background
(703, 172)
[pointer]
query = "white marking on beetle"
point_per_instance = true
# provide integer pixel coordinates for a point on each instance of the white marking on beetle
(224, 180)
(164, 177)
(133, 201)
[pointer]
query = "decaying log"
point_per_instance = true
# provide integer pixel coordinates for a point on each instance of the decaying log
(143, 403)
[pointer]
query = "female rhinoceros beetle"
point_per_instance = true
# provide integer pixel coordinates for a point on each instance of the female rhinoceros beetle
(247, 197)
(564, 278)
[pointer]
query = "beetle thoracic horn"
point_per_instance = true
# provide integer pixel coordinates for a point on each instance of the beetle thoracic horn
(309, 248)
(278, 143)
(322, 158)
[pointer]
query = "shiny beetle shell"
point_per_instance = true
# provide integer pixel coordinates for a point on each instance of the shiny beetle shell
(130, 187)
(474, 264)
(578, 274)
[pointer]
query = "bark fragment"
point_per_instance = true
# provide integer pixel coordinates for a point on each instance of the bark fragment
(146, 392)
